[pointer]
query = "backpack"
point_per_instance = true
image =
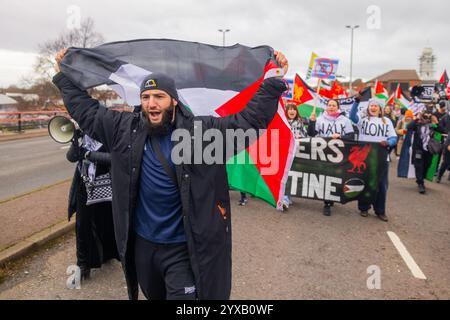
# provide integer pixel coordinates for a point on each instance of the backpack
(434, 146)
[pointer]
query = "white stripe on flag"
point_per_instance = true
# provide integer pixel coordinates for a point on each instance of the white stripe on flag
(129, 78)
(204, 101)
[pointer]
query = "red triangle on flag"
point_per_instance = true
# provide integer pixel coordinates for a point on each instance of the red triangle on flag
(391, 100)
(272, 167)
(239, 101)
(379, 89)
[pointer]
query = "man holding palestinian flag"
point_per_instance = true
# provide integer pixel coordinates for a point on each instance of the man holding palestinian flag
(172, 220)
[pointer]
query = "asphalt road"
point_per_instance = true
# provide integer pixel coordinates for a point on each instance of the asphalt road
(28, 164)
(296, 255)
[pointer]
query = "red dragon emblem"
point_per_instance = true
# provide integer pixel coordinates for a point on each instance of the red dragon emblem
(357, 157)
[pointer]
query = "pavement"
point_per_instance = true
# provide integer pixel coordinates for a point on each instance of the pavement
(300, 254)
(31, 213)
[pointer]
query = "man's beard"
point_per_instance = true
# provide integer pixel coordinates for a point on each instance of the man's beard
(163, 127)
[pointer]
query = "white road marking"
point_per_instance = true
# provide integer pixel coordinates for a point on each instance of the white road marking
(412, 265)
(65, 147)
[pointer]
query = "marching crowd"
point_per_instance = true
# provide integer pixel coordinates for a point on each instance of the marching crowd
(425, 133)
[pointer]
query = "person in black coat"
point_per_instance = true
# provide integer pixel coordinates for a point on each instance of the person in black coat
(444, 119)
(95, 242)
(184, 250)
(421, 157)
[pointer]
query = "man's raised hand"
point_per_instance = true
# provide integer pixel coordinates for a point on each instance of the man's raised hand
(59, 56)
(282, 61)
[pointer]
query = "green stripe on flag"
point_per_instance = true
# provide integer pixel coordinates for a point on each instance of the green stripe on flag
(305, 110)
(244, 176)
(381, 96)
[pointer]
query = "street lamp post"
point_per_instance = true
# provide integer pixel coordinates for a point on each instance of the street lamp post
(351, 56)
(223, 35)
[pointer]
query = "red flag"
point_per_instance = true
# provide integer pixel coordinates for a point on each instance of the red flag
(444, 78)
(336, 91)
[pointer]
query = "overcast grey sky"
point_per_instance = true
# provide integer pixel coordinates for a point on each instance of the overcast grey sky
(295, 27)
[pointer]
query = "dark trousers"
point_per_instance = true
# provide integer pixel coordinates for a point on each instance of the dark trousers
(422, 161)
(379, 205)
(164, 270)
(445, 163)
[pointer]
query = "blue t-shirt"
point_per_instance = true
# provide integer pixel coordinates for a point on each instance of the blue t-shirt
(158, 215)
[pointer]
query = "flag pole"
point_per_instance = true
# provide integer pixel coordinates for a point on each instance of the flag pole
(319, 82)
(372, 90)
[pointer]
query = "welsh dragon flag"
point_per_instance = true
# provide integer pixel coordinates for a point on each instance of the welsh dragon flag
(211, 80)
(380, 91)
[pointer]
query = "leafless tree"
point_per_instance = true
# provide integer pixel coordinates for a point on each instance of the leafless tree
(84, 37)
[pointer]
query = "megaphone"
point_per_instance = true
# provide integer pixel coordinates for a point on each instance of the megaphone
(61, 129)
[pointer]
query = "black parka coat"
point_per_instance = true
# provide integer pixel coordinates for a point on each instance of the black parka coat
(203, 188)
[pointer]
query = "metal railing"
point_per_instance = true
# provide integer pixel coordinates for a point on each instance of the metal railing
(19, 121)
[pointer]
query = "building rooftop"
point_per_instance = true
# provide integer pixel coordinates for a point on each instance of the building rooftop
(6, 100)
(397, 75)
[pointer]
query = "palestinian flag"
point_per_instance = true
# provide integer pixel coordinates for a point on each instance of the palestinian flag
(211, 80)
(391, 100)
(380, 91)
(405, 167)
(445, 82)
(400, 98)
(353, 188)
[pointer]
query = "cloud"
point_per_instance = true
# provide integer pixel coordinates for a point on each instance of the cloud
(14, 66)
(295, 27)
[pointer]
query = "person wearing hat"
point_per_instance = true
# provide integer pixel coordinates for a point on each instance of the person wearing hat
(401, 130)
(172, 220)
(375, 127)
